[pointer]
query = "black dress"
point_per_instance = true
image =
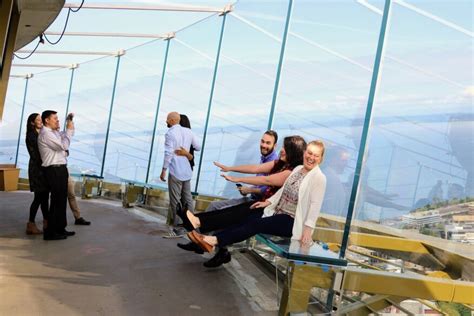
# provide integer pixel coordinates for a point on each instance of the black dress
(36, 175)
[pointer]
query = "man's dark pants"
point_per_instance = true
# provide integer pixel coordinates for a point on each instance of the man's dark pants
(57, 176)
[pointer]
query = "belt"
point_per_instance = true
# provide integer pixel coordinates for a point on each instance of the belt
(56, 166)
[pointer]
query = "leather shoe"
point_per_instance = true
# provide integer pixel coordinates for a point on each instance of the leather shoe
(54, 236)
(198, 239)
(190, 246)
(182, 214)
(67, 233)
(221, 257)
(81, 221)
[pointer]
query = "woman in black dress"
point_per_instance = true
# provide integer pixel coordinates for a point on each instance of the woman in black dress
(38, 183)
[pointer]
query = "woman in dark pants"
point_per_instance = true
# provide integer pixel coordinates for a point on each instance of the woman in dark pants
(38, 183)
(291, 212)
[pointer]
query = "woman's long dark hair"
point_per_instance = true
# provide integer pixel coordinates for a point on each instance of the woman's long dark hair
(294, 148)
(184, 121)
(30, 123)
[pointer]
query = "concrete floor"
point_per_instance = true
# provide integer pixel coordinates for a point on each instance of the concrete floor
(120, 265)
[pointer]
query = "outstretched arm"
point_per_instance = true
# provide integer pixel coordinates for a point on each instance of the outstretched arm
(274, 180)
(257, 168)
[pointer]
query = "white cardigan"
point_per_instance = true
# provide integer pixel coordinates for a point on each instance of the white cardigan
(310, 198)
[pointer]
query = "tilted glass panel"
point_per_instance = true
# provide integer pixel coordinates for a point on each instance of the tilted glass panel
(90, 102)
(244, 89)
(133, 114)
(324, 89)
(187, 85)
(418, 178)
(10, 123)
(46, 91)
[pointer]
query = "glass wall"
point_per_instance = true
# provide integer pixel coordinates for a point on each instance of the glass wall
(135, 102)
(325, 83)
(418, 178)
(10, 124)
(46, 91)
(244, 90)
(422, 119)
(90, 102)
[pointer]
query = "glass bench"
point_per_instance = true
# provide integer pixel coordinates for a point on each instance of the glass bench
(307, 267)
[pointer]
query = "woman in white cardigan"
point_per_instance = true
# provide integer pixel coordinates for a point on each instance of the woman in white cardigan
(291, 212)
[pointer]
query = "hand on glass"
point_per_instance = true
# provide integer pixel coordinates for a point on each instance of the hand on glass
(221, 166)
(307, 236)
(260, 204)
(229, 178)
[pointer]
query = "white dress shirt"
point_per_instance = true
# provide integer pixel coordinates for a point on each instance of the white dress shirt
(52, 146)
(176, 137)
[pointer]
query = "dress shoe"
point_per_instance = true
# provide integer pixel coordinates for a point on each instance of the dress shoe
(221, 257)
(67, 233)
(54, 236)
(182, 214)
(81, 221)
(32, 229)
(190, 246)
(198, 239)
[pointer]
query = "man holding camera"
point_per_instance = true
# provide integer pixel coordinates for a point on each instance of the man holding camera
(52, 146)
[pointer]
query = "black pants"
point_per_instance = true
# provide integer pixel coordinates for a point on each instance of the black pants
(278, 225)
(40, 199)
(57, 180)
(227, 217)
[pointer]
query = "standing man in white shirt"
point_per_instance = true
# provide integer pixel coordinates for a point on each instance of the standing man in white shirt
(180, 172)
(52, 146)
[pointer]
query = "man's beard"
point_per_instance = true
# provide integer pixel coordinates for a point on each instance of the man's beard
(264, 151)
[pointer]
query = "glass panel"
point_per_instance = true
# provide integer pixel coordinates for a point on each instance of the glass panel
(325, 84)
(187, 85)
(10, 123)
(244, 90)
(134, 112)
(418, 177)
(46, 91)
(90, 102)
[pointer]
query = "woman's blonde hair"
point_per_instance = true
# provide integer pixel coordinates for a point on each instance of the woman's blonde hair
(320, 144)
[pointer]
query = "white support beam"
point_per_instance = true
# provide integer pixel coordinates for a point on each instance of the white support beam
(41, 65)
(155, 7)
(101, 34)
(64, 52)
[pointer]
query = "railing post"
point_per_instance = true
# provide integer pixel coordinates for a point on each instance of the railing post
(280, 64)
(168, 40)
(365, 129)
(119, 55)
(213, 84)
(73, 68)
(28, 77)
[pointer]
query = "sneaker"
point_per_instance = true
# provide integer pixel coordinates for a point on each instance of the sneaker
(174, 233)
